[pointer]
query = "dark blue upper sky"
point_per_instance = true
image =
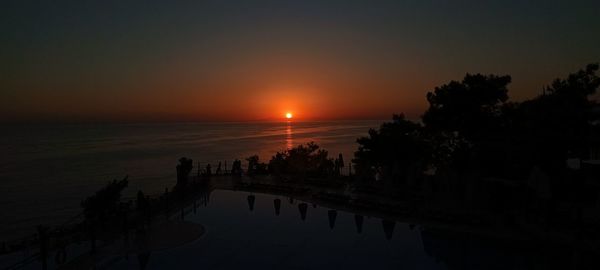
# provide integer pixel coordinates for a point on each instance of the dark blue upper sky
(334, 59)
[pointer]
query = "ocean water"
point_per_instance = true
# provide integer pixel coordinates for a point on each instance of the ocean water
(46, 170)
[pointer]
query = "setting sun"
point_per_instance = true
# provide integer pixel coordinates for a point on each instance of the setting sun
(288, 115)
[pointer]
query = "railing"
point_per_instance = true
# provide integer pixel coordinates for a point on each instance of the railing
(75, 229)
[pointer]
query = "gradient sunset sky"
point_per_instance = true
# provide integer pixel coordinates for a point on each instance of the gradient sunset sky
(256, 60)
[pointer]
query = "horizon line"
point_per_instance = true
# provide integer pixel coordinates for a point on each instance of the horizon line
(166, 121)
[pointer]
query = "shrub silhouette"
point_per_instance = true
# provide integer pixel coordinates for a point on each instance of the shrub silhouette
(255, 167)
(307, 160)
(104, 203)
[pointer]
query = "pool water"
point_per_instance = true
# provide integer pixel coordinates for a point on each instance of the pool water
(238, 237)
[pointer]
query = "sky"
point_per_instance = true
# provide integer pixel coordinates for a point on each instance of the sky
(257, 60)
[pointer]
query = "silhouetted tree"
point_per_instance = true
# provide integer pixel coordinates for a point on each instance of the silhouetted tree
(465, 122)
(278, 164)
(469, 107)
(471, 131)
(397, 150)
(104, 203)
(558, 123)
(255, 167)
(141, 201)
(236, 168)
(308, 160)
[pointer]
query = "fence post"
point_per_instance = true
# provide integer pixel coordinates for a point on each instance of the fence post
(198, 169)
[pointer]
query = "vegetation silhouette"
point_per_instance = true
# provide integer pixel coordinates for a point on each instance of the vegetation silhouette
(303, 160)
(397, 151)
(255, 167)
(529, 164)
(105, 202)
(472, 131)
(236, 168)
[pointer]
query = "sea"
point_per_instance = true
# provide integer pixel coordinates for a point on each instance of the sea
(46, 170)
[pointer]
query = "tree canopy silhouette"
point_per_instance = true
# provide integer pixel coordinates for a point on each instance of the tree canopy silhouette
(306, 159)
(471, 127)
(396, 150)
(557, 124)
(468, 107)
(105, 201)
(255, 167)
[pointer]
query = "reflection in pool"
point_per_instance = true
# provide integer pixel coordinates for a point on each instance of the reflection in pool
(259, 231)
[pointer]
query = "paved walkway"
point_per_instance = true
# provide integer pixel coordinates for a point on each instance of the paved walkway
(162, 235)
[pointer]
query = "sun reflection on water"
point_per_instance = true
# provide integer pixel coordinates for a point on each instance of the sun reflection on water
(288, 136)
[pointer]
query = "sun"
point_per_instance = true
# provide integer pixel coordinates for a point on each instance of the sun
(289, 115)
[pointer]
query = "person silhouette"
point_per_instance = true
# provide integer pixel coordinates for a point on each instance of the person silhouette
(208, 170)
(341, 163)
(218, 171)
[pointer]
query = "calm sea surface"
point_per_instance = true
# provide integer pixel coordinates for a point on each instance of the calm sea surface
(46, 170)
